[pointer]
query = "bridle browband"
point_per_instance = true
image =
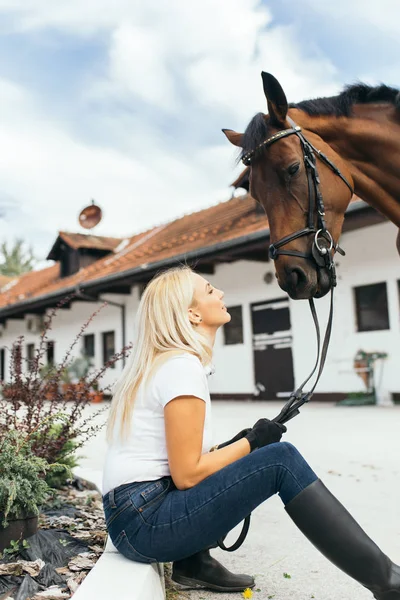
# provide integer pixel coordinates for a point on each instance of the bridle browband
(321, 253)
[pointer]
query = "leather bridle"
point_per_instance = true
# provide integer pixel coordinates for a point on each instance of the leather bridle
(322, 249)
(321, 252)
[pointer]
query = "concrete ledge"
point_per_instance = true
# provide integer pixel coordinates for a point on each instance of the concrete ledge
(114, 576)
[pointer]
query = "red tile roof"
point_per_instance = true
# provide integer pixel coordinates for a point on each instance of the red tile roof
(82, 240)
(4, 279)
(225, 221)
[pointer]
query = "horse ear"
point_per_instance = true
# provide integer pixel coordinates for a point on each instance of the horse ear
(234, 137)
(277, 103)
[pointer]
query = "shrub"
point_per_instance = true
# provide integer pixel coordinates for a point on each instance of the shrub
(23, 404)
(66, 456)
(22, 485)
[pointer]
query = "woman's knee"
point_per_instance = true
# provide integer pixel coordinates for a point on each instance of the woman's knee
(284, 455)
(287, 455)
(294, 472)
(288, 451)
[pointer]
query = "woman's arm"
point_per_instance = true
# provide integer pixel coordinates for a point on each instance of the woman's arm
(184, 424)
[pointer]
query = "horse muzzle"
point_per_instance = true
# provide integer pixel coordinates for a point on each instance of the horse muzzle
(304, 281)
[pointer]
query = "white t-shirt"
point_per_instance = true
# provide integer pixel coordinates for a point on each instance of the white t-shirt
(143, 456)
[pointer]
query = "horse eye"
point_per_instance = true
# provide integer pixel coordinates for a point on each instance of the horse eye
(293, 169)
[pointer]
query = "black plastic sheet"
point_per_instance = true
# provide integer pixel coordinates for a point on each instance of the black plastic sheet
(56, 548)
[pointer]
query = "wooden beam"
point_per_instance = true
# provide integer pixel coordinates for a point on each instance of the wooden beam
(206, 268)
(119, 289)
(362, 218)
(93, 298)
(65, 306)
(226, 258)
(37, 311)
(256, 255)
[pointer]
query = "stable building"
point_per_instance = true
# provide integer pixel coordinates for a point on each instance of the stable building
(269, 346)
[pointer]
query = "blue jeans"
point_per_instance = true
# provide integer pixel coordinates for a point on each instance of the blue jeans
(153, 521)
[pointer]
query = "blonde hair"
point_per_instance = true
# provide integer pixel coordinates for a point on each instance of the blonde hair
(162, 327)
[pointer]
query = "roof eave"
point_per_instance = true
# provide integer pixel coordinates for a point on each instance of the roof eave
(53, 254)
(8, 311)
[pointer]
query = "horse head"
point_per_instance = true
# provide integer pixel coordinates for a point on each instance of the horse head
(279, 181)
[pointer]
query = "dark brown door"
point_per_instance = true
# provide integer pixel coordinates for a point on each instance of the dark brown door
(272, 349)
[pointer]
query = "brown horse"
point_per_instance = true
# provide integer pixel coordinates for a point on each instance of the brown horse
(359, 132)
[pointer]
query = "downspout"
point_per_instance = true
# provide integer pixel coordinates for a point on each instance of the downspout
(80, 294)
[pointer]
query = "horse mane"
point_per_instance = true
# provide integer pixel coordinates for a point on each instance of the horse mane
(339, 106)
(256, 132)
(342, 104)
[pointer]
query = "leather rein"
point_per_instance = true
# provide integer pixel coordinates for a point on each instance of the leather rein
(321, 253)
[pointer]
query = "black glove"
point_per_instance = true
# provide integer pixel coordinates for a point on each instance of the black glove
(265, 432)
(237, 437)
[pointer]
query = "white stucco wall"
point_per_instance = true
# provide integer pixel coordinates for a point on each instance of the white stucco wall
(67, 323)
(371, 258)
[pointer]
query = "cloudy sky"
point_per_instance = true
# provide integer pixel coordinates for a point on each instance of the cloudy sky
(123, 101)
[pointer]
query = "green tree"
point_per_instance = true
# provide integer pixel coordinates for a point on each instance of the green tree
(16, 260)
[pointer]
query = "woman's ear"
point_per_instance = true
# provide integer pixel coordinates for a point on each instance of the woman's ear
(194, 316)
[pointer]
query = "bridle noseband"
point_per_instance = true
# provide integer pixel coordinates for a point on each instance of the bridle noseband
(323, 243)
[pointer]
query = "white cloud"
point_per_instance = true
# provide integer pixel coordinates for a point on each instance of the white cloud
(382, 16)
(55, 175)
(137, 67)
(233, 81)
(198, 62)
(201, 17)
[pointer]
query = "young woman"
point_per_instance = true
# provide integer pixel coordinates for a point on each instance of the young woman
(168, 498)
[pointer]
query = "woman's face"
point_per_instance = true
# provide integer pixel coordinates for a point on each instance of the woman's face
(208, 309)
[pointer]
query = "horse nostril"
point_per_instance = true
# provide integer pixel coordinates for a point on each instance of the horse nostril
(297, 277)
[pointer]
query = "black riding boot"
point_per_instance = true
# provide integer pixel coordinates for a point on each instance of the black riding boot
(201, 570)
(334, 532)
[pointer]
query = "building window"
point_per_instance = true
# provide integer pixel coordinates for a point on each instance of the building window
(372, 307)
(2, 364)
(88, 345)
(30, 356)
(50, 353)
(233, 331)
(108, 346)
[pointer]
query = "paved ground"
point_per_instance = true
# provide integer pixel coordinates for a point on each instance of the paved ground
(356, 451)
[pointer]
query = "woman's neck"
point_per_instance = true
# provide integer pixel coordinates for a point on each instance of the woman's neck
(209, 333)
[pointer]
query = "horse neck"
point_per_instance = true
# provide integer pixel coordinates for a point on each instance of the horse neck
(369, 141)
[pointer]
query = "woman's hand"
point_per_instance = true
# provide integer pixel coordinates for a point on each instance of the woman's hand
(265, 432)
(237, 437)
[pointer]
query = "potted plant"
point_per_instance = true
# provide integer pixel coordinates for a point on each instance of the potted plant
(97, 394)
(45, 373)
(22, 484)
(363, 365)
(67, 386)
(75, 374)
(7, 389)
